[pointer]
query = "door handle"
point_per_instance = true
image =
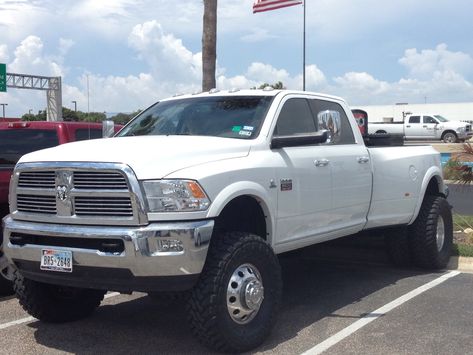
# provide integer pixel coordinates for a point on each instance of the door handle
(321, 162)
(363, 160)
(425, 126)
(408, 126)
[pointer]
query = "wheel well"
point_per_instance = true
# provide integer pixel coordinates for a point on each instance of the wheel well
(243, 214)
(449, 131)
(433, 188)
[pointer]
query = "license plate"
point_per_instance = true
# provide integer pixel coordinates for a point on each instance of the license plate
(56, 260)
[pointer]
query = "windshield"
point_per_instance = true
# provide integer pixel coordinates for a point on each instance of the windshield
(229, 116)
(440, 118)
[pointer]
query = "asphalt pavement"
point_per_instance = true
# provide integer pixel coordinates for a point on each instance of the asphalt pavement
(323, 297)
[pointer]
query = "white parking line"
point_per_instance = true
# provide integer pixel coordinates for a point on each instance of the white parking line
(16, 322)
(334, 339)
(31, 319)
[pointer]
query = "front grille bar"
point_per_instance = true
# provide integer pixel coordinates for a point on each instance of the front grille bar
(77, 193)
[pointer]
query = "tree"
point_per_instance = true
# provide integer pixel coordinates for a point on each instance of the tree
(69, 115)
(278, 86)
(209, 45)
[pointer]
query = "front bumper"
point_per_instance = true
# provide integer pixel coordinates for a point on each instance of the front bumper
(139, 264)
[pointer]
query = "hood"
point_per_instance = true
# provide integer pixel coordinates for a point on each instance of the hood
(151, 157)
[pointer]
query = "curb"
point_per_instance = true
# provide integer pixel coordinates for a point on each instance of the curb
(460, 263)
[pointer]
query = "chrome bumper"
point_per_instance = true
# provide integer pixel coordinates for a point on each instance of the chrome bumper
(143, 257)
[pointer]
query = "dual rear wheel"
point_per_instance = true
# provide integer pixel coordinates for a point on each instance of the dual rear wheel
(428, 242)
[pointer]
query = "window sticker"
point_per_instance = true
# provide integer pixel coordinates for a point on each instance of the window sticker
(248, 128)
(236, 128)
(245, 133)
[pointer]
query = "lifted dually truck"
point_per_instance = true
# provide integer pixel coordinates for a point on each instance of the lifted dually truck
(200, 193)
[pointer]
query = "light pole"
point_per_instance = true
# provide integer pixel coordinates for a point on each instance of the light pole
(3, 106)
(29, 111)
(75, 105)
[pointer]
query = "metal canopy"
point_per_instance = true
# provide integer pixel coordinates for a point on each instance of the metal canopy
(52, 84)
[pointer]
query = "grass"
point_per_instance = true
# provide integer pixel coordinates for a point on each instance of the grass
(462, 222)
(463, 242)
(462, 250)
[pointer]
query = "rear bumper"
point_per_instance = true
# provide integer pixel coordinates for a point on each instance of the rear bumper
(141, 262)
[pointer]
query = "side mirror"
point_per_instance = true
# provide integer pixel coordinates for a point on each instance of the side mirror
(330, 121)
(299, 140)
(108, 128)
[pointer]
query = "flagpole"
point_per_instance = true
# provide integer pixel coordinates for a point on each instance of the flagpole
(303, 50)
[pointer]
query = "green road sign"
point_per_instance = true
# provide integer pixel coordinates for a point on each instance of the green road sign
(3, 77)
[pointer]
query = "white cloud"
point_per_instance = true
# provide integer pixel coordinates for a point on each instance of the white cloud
(257, 35)
(30, 59)
(427, 62)
(64, 45)
(363, 83)
(4, 57)
(166, 55)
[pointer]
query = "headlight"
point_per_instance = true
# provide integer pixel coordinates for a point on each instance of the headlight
(175, 196)
(461, 130)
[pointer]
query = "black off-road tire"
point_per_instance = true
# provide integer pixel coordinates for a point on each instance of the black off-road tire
(426, 251)
(207, 308)
(397, 246)
(55, 304)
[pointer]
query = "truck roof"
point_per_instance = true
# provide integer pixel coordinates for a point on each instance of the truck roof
(249, 92)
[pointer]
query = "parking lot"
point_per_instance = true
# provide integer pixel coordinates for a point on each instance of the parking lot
(329, 303)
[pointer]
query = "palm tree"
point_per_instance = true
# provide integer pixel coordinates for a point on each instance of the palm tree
(209, 44)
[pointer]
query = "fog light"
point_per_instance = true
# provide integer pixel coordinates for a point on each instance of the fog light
(170, 246)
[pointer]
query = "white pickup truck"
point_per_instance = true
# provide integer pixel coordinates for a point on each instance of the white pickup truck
(426, 127)
(200, 193)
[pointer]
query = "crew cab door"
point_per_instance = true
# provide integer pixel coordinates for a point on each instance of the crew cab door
(350, 168)
(324, 190)
(429, 126)
(304, 188)
(413, 127)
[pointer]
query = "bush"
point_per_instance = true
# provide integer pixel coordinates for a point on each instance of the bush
(452, 170)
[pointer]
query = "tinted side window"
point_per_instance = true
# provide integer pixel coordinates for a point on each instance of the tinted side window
(16, 142)
(86, 133)
(414, 119)
(345, 132)
(295, 118)
(428, 119)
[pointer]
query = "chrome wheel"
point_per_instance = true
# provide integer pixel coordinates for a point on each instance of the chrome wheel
(449, 138)
(440, 233)
(245, 293)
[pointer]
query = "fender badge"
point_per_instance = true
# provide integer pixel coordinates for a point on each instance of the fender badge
(286, 184)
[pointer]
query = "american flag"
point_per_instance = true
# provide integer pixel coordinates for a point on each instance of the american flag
(268, 5)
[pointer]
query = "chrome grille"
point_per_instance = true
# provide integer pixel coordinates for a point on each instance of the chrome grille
(36, 204)
(37, 179)
(103, 206)
(99, 180)
(77, 193)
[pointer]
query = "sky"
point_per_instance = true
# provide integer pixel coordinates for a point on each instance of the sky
(135, 52)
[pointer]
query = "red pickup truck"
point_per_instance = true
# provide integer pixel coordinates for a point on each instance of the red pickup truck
(19, 138)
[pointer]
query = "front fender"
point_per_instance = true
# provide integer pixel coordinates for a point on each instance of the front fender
(246, 188)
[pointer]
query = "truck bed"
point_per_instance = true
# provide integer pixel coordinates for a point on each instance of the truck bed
(393, 203)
